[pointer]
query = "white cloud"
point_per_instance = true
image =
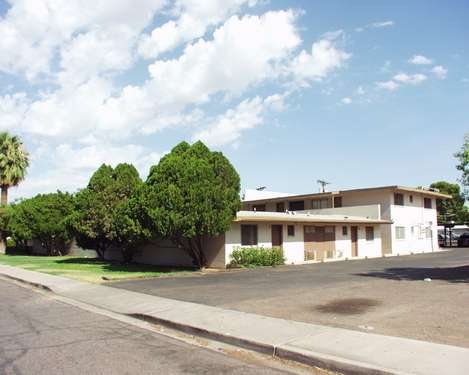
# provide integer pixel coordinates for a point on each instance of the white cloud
(388, 85)
(69, 167)
(375, 25)
(413, 79)
(276, 102)
(227, 128)
(440, 72)
(243, 52)
(360, 90)
(420, 60)
(34, 30)
(381, 24)
(346, 100)
(194, 18)
(315, 66)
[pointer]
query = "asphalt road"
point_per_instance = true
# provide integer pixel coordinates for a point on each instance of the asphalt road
(222, 288)
(40, 335)
(386, 295)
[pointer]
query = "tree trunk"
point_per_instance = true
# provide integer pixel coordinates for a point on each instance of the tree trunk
(4, 199)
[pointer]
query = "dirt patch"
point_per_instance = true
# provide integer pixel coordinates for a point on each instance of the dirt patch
(348, 306)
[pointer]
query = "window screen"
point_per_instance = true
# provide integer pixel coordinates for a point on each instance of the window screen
(248, 235)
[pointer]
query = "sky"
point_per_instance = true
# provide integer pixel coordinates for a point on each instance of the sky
(361, 94)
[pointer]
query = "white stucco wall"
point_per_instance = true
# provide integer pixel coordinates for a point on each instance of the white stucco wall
(416, 216)
(293, 246)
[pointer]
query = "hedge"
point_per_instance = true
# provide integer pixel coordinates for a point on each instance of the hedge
(257, 256)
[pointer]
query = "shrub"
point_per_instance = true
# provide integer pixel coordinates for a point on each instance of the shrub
(11, 242)
(257, 256)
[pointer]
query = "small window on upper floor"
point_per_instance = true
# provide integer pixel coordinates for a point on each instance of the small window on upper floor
(337, 201)
(370, 233)
(291, 230)
(398, 199)
(296, 205)
(427, 202)
(411, 198)
(280, 206)
(344, 230)
(400, 233)
(320, 203)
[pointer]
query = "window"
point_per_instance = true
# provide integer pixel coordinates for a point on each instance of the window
(280, 207)
(329, 229)
(337, 201)
(412, 231)
(400, 233)
(370, 233)
(411, 198)
(248, 235)
(258, 207)
(428, 232)
(296, 205)
(398, 199)
(291, 230)
(344, 230)
(321, 203)
(427, 202)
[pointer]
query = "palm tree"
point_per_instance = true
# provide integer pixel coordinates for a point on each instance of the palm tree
(14, 161)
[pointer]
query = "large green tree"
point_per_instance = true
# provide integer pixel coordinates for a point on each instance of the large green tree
(451, 209)
(463, 166)
(14, 161)
(101, 218)
(191, 194)
(42, 218)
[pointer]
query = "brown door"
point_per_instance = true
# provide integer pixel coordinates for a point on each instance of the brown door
(319, 242)
(277, 235)
(354, 238)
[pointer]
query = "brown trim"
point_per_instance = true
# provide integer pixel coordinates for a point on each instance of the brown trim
(314, 195)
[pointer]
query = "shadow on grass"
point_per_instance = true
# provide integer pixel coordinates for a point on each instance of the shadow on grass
(116, 266)
(459, 274)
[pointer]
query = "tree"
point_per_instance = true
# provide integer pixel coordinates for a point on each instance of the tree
(14, 161)
(96, 222)
(451, 209)
(463, 157)
(191, 194)
(42, 218)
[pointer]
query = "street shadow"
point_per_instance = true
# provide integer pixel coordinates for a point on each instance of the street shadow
(459, 274)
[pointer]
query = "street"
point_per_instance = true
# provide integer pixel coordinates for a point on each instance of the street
(40, 335)
(381, 295)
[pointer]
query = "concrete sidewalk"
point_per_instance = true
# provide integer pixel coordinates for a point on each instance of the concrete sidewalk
(337, 349)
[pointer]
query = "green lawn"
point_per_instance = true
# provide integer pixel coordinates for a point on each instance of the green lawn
(89, 269)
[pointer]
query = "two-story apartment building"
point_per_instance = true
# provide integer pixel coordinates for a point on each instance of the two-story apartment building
(358, 223)
(405, 219)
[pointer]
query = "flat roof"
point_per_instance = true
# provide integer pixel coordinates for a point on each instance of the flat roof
(332, 193)
(263, 216)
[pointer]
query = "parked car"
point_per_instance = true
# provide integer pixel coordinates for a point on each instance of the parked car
(463, 240)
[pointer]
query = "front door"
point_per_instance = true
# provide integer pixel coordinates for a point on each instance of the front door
(319, 242)
(277, 235)
(354, 238)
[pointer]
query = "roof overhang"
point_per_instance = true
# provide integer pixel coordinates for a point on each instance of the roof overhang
(333, 193)
(281, 217)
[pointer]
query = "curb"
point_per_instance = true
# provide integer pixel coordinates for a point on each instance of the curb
(311, 359)
(310, 345)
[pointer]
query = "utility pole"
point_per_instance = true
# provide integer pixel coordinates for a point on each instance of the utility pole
(323, 184)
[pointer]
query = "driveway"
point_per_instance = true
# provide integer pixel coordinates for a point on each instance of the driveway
(384, 295)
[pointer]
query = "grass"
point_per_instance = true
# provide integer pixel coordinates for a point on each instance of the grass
(90, 269)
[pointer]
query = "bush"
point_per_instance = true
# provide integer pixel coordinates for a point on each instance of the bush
(257, 256)
(11, 242)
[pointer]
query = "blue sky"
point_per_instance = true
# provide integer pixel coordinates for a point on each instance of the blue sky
(361, 93)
